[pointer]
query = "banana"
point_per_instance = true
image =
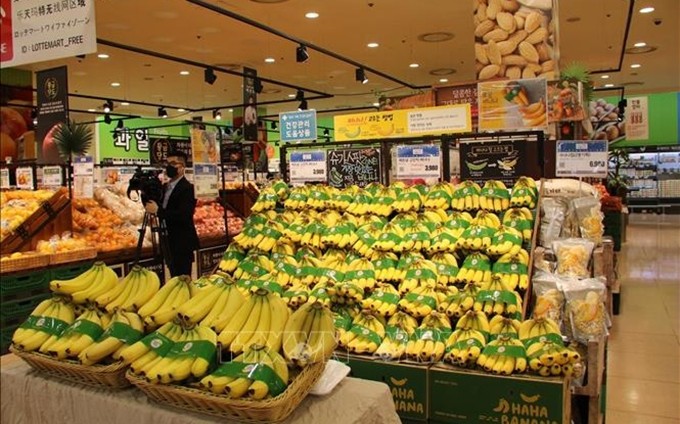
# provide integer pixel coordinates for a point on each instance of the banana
(78, 283)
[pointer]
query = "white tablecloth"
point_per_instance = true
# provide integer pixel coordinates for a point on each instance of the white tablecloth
(31, 398)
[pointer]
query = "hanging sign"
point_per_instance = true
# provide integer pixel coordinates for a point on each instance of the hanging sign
(420, 161)
(52, 94)
(250, 83)
(582, 158)
(307, 167)
(24, 178)
(513, 105)
(637, 119)
(204, 146)
(298, 126)
(206, 181)
(504, 160)
(163, 146)
(83, 177)
(40, 30)
(52, 176)
(403, 123)
(348, 167)
(4, 178)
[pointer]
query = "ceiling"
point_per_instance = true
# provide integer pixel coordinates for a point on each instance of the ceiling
(591, 32)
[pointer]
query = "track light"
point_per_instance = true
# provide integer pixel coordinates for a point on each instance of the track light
(217, 115)
(326, 132)
(360, 75)
(108, 106)
(120, 125)
(162, 112)
(300, 95)
(274, 126)
(303, 105)
(209, 76)
(257, 85)
(107, 118)
(301, 54)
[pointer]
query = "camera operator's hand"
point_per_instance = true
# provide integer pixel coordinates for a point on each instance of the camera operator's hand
(151, 207)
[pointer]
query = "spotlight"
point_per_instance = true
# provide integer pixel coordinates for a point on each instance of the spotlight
(162, 112)
(107, 118)
(209, 76)
(217, 115)
(360, 75)
(120, 125)
(303, 105)
(301, 54)
(300, 95)
(274, 126)
(258, 86)
(328, 139)
(326, 132)
(108, 106)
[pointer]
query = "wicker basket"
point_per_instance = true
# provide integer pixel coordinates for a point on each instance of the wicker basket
(30, 261)
(99, 376)
(73, 256)
(254, 411)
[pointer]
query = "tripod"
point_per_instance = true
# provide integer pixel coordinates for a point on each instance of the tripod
(159, 241)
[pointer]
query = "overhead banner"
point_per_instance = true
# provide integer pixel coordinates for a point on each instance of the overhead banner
(204, 146)
(403, 123)
(637, 119)
(412, 101)
(307, 167)
(565, 101)
(41, 30)
(249, 104)
(459, 95)
(420, 161)
(503, 160)
(298, 126)
(348, 167)
(582, 158)
(513, 105)
(52, 93)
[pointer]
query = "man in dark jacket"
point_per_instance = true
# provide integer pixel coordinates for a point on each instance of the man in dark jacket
(177, 212)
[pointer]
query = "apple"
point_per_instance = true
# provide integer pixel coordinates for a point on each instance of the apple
(11, 122)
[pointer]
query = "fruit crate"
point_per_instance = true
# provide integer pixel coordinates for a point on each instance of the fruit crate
(16, 312)
(24, 285)
(69, 271)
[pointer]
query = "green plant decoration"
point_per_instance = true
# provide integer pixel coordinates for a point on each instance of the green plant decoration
(617, 184)
(73, 139)
(579, 72)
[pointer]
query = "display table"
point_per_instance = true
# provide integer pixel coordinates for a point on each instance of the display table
(30, 398)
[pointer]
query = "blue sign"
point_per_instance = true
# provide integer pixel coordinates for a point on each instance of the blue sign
(422, 161)
(298, 126)
(585, 158)
(307, 166)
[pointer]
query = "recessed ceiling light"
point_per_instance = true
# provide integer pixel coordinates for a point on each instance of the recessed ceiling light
(376, 104)
(640, 44)
(92, 110)
(270, 60)
(181, 110)
(573, 19)
(231, 110)
(608, 85)
(443, 80)
(103, 56)
(372, 45)
(647, 10)
(605, 77)
(115, 84)
(311, 15)
(635, 65)
(124, 103)
(435, 37)
(413, 65)
(184, 72)
(291, 96)
(442, 71)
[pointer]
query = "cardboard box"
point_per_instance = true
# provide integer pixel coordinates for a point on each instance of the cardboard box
(407, 382)
(461, 396)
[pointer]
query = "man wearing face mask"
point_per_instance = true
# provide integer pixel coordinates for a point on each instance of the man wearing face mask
(177, 211)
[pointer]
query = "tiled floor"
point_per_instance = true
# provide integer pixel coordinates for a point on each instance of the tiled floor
(643, 376)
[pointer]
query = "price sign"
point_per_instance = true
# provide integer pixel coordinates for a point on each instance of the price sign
(209, 258)
(348, 167)
(25, 178)
(297, 126)
(582, 158)
(52, 176)
(206, 180)
(418, 161)
(4, 178)
(83, 177)
(307, 167)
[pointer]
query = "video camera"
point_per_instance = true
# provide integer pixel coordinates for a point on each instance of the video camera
(147, 184)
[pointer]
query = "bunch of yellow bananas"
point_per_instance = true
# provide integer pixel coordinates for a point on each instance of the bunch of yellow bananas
(550, 358)
(384, 300)
(136, 289)
(319, 197)
(390, 240)
(524, 193)
(443, 240)
(501, 326)
(231, 257)
(458, 304)
(505, 240)
(475, 238)
(474, 320)
(361, 273)
(266, 200)
(297, 198)
(433, 217)
(343, 315)
(420, 271)
(362, 203)
(341, 235)
(503, 355)
(428, 341)
(83, 332)
(466, 196)
(83, 285)
(497, 298)
(367, 235)
(421, 301)
(386, 267)
(46, 322)
(486, 218)
(476, 269)
(494, 196)
(163, 306)
(365, 335)
(400, 327)
(254, 265)
(257, 373)
(521, 219)
(439, 196)
(341, 199)
(309, 335)
(464, 346)
(408, 200)
(417, 238)
(383, 201)
(296, 295)
(447, 267)
(513, 270)
(124, 329)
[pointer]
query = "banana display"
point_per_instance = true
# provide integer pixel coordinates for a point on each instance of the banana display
(494, 196)
(524, 193)
(45, 324)
(162, 307)
(309, 334)
(399, 329)
(124, 329)
(137, 288)
(428, 342)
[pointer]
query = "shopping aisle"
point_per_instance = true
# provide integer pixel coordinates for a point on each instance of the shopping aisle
(643, 378)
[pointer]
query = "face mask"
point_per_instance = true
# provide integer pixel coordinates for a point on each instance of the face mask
(171, 171)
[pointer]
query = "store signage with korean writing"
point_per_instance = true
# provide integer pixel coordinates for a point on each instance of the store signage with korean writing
(24, 178)
(309, 166)
(503, 160)
(4, 178)
(637, 119)
(506, 105)
(419, 161)
(458, 95)
(582, 158)
(348, 167)
(40, 30)
(298, 126)
(161, 147)
(209, 258)
(403, 123)
(52, 176)
(52, 95)
(204, 146)
(206, 180)
(83, 177)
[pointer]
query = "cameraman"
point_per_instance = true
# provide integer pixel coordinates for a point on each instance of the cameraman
(177, 210)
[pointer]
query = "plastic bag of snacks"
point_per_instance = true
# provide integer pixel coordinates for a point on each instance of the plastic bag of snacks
(554, 212)
(573, 256)
(585, 309)
(590, 218)
(549, 296)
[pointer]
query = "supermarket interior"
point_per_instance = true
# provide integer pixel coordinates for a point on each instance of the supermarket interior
(357, 211)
